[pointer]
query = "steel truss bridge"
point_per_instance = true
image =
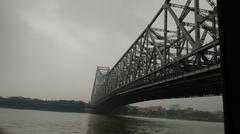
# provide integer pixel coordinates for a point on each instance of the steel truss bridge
(177, 55)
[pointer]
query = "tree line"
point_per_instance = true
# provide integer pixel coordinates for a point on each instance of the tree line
(48, 105)
(174, 112)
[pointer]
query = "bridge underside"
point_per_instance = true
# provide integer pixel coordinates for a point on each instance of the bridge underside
(204, 82)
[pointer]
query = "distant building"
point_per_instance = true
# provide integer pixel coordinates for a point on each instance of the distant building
(188, 110)
(156, 108)
(219, 115)
(174, 107)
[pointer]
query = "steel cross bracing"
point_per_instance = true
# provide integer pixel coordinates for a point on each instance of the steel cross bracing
(181, 38)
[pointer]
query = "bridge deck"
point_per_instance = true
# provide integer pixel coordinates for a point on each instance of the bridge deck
(203, 82)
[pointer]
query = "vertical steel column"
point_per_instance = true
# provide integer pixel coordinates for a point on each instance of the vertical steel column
(214, 34)
(106, 86)
(165, 34)
(178, 43)
(146, 54)
(93, 90)
(197, 29)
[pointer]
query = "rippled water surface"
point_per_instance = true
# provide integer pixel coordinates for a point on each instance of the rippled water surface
(14, 121)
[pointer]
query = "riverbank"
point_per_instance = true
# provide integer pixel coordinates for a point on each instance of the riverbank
(82, 107)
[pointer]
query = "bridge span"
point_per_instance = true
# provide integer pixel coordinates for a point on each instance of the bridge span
(176, 55)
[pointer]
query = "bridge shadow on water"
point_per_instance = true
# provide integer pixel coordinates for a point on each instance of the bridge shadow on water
(113, 124)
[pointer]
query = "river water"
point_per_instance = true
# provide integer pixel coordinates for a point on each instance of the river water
(14, 121)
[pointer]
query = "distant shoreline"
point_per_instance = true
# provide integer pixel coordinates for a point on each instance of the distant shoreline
(43, 105)
(41, 110)
(72, 106)
(169, 118)
(121, 115)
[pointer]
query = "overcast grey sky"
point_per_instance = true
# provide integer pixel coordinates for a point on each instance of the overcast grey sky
(49, 49)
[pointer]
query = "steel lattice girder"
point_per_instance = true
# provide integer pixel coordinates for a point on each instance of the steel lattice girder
(159, 52)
